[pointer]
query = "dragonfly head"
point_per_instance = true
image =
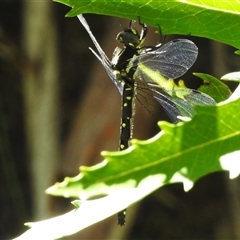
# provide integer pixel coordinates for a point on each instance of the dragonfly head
(129, 37)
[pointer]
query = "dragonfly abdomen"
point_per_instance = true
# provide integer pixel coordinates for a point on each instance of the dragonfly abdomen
(127, 114)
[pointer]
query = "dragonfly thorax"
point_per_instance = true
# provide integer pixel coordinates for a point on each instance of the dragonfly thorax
(122, 60)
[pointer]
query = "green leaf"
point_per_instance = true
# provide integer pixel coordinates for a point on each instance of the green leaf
(217, 20)
(190, 150)
(237, 52)
(214, 87)
(180, 153)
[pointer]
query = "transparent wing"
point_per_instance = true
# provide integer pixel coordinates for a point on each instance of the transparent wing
(102, 57)
(172, 59)
(110, 72)
(176, 106)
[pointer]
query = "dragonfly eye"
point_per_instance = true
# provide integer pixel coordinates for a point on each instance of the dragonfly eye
(129, 37)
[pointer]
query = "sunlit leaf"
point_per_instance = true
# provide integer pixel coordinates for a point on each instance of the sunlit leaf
(234, 76)
(191, 149)
(90, 212)
(180, 153)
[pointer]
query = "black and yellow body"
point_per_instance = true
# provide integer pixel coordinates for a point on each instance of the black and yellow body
(149, 71)
(125, 70)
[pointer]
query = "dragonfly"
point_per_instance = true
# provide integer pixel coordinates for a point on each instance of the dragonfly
(148, 73)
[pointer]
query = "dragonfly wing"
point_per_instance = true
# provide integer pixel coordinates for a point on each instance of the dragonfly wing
(172, 59)
(174, 105)
(146, 97)
(170, 108)
(113, 77)
(110, 72)
(102, 56)
(199, 98)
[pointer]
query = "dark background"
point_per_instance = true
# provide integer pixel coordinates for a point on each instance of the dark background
(85, 120)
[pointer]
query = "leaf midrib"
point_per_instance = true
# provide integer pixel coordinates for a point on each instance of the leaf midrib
(168, 158)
